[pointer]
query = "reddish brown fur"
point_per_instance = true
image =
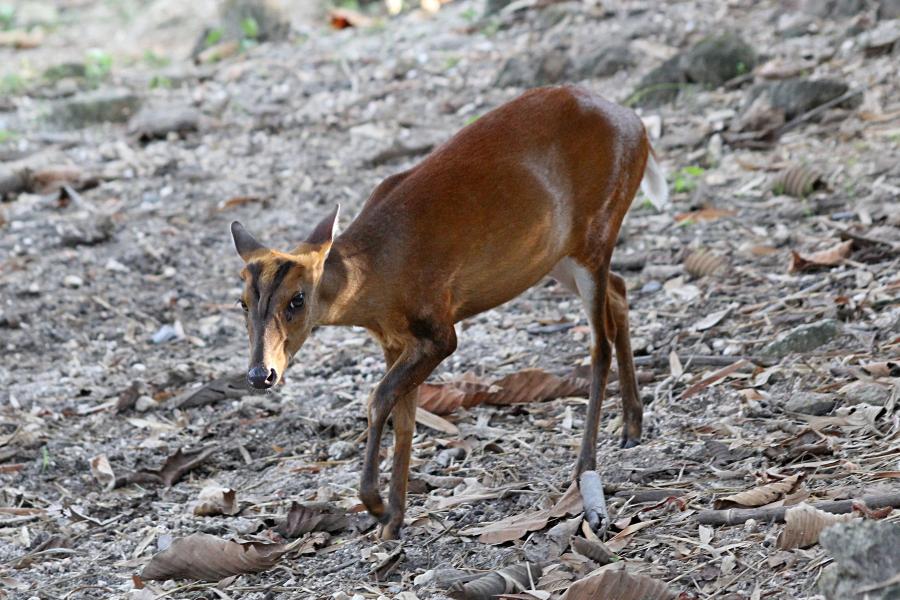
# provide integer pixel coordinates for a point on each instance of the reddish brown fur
(545, 178)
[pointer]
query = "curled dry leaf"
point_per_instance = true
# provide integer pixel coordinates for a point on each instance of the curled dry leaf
(709, 213)
(829, 257)
(529, 385)
(504, 581)
(516, 526)
(343, 18)
(613, 582)
(798, 181)
(761, 495)
(303, 519)
(216, 500)
(102, 471)
(804, 524)
(703, 263)
(175, 467)
(887, 368)
(593, 549)
(207, 558)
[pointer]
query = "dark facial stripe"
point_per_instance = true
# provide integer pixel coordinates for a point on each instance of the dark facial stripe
(277, 279)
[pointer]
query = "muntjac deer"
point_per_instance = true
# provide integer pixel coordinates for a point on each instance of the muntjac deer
(538, 186)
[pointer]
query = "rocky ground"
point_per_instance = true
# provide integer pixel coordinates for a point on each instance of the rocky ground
(765, 303)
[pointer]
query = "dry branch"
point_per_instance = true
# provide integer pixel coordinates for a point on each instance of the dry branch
(736, 516)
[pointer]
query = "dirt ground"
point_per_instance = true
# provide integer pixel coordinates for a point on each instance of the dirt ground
(118, 296)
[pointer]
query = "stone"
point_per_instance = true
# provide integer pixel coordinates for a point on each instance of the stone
(534, 71)
(82, 110)
(341, 449)
(73, 281)
(889, 9)
(494, 6)
(796, 96)
(810, 403)
(834, 9)
(866, 392)
(156, 123)
(711, 62)
(804, 338)
(604, 62)
(866, 553)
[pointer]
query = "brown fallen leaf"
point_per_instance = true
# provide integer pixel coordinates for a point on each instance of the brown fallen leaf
(704, 215)
(102, 471)
(48, 180)
(596, 550)
(761, 495)
(703, 263)
(618, 542)
(887, 368)
(305, 518)
(503, 581)
(175, 467)
(804, 524)
(21, 39)
(529, 385)
(829, 257)
(205, 557)
(514, 527)
(343, 18)
(613, 582)
(216, 500)
(798, 181)
(223, 388)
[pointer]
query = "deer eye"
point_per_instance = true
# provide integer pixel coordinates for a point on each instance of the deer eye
(243, 304)
(297, 301)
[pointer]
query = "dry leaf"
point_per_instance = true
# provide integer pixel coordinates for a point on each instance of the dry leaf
(216, 500)
(102, 471)
(303, 519)
(798, 181)
(207, 558)
(21, 39)
(342, 18)
(703, 263)
(504, 581)
(175, 467)
(50, 179)
(761, 495)
(618, 542)
(829, 257)
(429, 419)
(887, 368)
(529, 385)
(514, 527)
(804, 524)
(593, 549)
(706, 214)
(613, 582)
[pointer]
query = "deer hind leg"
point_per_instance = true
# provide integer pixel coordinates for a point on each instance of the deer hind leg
(617, 324)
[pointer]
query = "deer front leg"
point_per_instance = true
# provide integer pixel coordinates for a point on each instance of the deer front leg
(412, 366)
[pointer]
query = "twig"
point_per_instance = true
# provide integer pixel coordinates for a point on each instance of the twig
(736, 516)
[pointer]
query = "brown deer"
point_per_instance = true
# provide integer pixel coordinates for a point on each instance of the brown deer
(538, 186)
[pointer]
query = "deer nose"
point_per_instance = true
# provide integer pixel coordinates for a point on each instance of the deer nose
(261, 378)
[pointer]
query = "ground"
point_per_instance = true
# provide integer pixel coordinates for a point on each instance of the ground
(95, 275)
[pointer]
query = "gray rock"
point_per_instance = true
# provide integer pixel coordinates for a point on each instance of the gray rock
(810, 403)
(833, 9)
(533, 71)
(604, 62)
(154, 123)
(889, 9)
(866, 392)
(866, 553)
(495, 6)
(340, 450)
(797, 96)
(712, 62)
(804, 338)
(271, 22)
(116, 106)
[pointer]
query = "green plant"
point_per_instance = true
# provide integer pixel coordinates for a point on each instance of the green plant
(6, 135)
(97, 65)
(451, 62)
(470, 15)
(472, 119)
(45, 459)
(12, 83)
(155, 60)
(213, 37)
(160, 82)
(250, 28)
(491, 27)
(687, 178)
(7, 16)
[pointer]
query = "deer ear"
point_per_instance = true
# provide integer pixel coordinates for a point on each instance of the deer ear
(245, 243)
(323, 234)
